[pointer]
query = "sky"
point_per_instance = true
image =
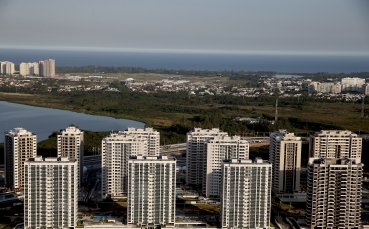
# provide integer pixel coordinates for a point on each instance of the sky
(329, 27)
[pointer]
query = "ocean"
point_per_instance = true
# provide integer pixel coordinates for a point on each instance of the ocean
(185, 61)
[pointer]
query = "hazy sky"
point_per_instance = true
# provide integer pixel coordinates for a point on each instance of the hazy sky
(265, 26)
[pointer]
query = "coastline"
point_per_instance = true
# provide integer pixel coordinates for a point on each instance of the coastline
(4, 96)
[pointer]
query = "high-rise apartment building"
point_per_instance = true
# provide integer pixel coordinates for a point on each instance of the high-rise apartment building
(246, 195)
(152, 136)
(220, 149)
(196, 154)
(19, 145)
(47, 68)
(24, 69)
(352, 84)
(285, 157)
(28, 69)
(336, 144)
(151, 199)
(334, 193)
(116, 150)
(2, 64)
(7, 68)
(71, 144)
(50, 193)
(325, 87)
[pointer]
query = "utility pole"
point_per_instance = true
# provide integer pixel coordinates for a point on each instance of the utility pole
(362, 106)
(276, 110)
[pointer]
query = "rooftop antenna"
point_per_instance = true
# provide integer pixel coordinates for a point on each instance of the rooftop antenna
(276, 110)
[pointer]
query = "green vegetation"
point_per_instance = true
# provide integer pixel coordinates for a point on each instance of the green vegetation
(173, 114)
(48, 148)
(280, 205)
(5, 226)
(93, 142)
(261, 152)
(209, 208)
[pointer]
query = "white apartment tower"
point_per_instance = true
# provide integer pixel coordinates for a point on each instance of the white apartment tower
(336, 144)
(196, 155)
(47, 68)
(220, 149)
(28, 69)
(352, 84)
(325, 87)
(246, 195)
(50, 193)
(334, 193)
(152, 136)
(285, 157)
(151, 199)
(2, 64)
(116, 150)
(19, 145)
(71, 144)
(24, 69)
(7, 68)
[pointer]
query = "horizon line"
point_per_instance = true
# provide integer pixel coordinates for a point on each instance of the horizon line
(189, 51)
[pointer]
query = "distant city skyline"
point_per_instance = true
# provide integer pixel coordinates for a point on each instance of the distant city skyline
(332, 27)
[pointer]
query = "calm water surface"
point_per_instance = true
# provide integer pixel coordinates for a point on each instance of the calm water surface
(186, 61)
(44, 121)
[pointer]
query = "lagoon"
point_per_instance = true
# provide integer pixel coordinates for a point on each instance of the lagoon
(44, 121)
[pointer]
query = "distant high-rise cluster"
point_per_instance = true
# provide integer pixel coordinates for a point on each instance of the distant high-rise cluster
(347, 84)
(7, 68)
(43, 68)
(29, 69)
(47, 68)
(218, 167)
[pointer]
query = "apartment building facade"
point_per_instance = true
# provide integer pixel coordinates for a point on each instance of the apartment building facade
(246, 194)
(19, 145)
(285, 157)
(70, 143)
(220, 149)
(196, 154)
(334, 193)
(50, 193)
(336, 144)
(152, 136)
(116, 150)
(151, 199)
